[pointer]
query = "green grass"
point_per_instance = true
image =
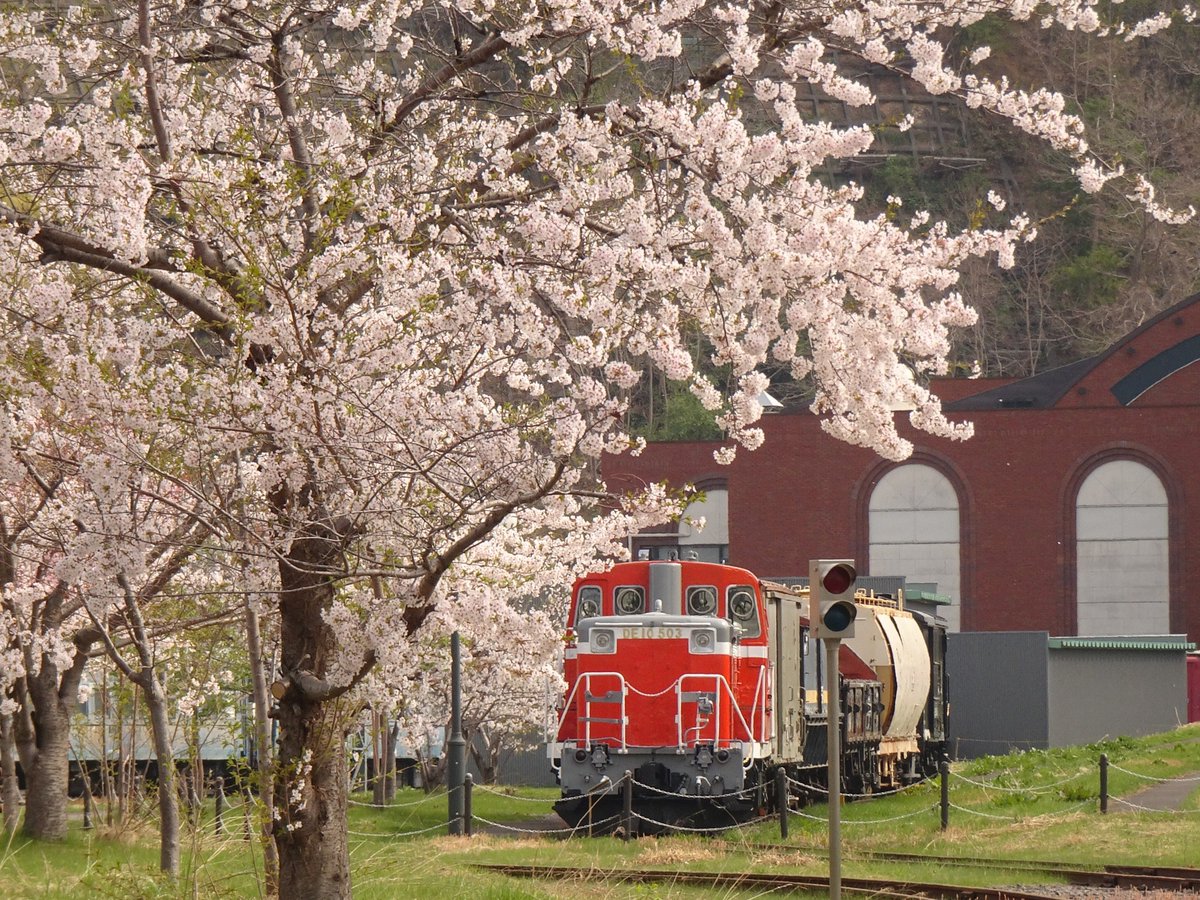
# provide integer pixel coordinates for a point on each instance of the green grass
(1035, 805)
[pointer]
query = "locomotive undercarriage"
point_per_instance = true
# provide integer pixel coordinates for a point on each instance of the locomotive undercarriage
(699, 787)
(669, 791)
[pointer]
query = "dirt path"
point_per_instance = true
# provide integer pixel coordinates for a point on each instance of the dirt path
(1162, 796)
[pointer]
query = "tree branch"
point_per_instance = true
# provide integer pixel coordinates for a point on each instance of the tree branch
(429, 87)
(60, 245)
(153, 105)
(281, 86)
(415, 615)
(314, 689)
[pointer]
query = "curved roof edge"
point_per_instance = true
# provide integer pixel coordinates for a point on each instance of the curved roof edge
(1044, 390)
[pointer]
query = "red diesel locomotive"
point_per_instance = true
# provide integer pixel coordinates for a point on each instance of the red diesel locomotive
(702, 681)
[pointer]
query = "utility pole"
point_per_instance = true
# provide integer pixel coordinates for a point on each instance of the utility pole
(833, 742)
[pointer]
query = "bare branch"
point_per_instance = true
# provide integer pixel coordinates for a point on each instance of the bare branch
(427, 89)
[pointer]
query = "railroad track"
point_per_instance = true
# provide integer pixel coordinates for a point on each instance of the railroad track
(1176, 878)
(875, 887)
(1134, 877)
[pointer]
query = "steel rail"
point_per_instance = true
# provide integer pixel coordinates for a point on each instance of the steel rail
(1157, 877)
(875, 887)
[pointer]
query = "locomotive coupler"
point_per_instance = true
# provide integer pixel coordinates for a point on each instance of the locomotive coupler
(599, 757)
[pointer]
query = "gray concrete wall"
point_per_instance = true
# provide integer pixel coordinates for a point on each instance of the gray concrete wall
(1106, 693)
(998, 692)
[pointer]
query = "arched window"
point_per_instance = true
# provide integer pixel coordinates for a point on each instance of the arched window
(1121, 551)
(913, 530)
(710, 544)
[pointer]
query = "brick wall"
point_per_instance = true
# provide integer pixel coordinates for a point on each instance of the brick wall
(806, 495)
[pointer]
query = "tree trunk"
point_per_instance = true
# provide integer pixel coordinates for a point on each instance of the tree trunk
(378, 760)
(10, 792)
(124, 776)
(433, 771)
(311, 778)
(46, 783)
(485, 751)
(389, 760)
(265, 752)
(42, 729)
(106, 779)
(168, 800)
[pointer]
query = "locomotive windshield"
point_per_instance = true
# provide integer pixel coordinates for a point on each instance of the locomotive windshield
(743, 609)
(589, 602)
(702, 601)
(630, 601)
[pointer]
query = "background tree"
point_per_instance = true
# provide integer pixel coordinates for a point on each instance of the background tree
(511, 652)
(46, 633)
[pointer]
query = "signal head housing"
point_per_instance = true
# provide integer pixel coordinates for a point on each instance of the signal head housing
(831, 598)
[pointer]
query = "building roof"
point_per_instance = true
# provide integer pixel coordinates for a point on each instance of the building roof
(1046, 389)
(1174, 642)
(1040, 391)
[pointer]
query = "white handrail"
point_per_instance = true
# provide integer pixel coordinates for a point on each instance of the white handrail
(719, 682)
(586, 680)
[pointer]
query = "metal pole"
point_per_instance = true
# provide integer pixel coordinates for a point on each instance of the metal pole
(833, 743)
(781, 800)
(456, 746)
(1104, 782)
(468, 813)
(944, 772)
(627, 803)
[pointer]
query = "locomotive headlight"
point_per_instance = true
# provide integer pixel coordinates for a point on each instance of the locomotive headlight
(603, 640)
(703, 640)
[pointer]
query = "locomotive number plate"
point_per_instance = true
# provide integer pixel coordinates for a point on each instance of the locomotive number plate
(661, 633)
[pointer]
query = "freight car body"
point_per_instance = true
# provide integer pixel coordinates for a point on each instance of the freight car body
(701, 681)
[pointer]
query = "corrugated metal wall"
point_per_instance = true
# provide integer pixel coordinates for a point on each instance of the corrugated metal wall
(998, 699)
(1106, 693)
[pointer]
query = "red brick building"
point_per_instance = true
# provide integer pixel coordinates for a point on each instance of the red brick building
(1075, 509)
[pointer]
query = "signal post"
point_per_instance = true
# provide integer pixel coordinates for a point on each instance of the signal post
(831, 614)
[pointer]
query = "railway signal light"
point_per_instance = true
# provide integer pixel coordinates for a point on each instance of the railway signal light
(831, 598)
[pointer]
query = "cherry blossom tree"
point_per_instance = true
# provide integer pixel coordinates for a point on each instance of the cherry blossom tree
(46, 635)
(367, 283)
(511, 653)
(88, 555)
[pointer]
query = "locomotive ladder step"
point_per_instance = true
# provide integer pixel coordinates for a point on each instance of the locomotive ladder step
(606, 697)
(604, 721)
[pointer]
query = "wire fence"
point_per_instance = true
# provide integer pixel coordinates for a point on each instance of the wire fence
(1090, 783)
(1156, 778)
(645, 817)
